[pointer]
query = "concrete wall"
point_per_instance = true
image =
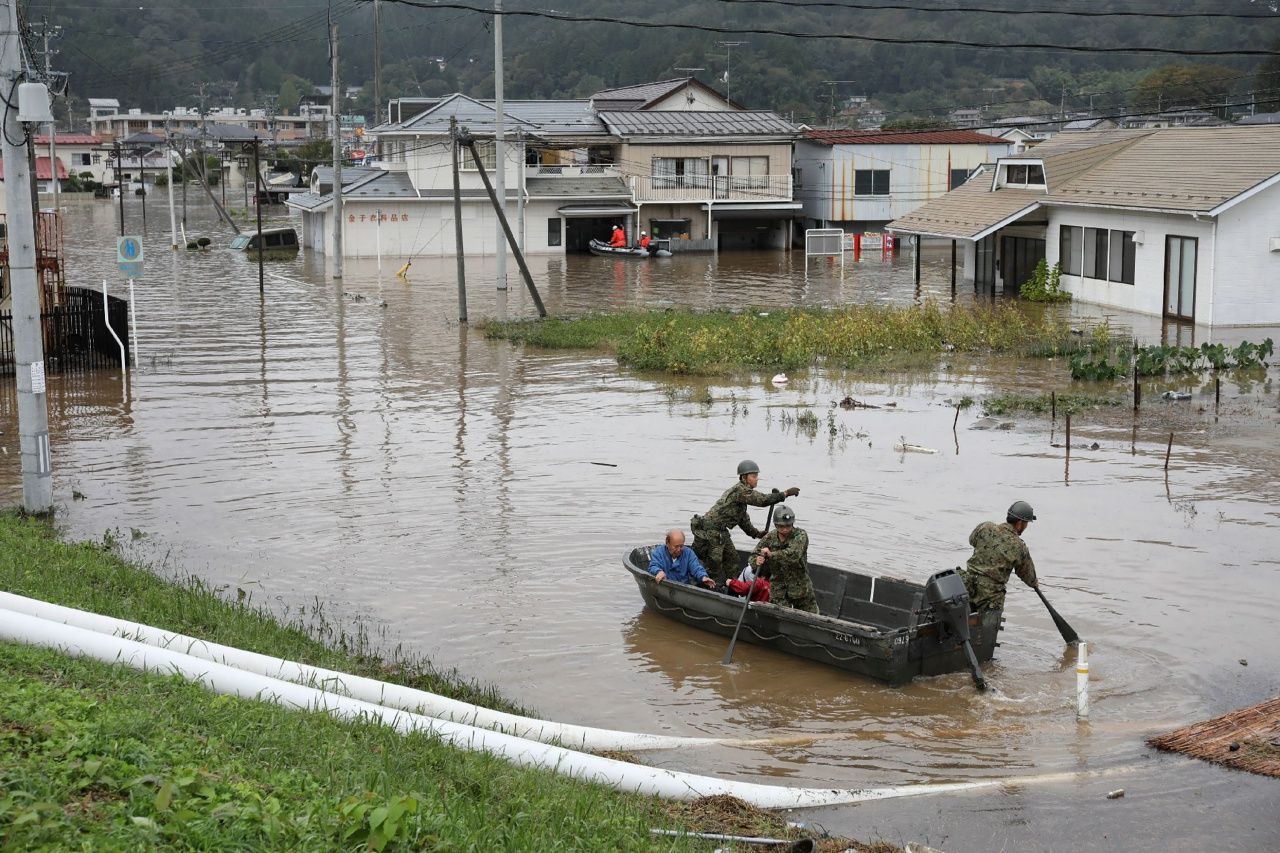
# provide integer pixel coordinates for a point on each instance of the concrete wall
(918, 173)
(1247, 272)
(429, 163)
(423, 227)
(1146, 294)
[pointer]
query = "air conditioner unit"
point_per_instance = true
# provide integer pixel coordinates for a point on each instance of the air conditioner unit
(1139, 237)
(1274, 244)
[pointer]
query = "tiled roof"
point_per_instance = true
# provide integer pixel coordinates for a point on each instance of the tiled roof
(643, 92)
(1184, 170)
(544, 118)
(70, 139)
(365, 185)
(689, 123)
(890, 137)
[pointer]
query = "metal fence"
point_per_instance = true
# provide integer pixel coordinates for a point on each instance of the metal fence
(76, 336)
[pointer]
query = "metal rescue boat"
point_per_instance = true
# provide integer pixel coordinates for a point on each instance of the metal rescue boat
(882, 627)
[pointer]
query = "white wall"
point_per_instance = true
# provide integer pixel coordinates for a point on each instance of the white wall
(1247, 289)
(1146, 294)
(918, 173)
(424, 227)
(429, 163)
(702, 101)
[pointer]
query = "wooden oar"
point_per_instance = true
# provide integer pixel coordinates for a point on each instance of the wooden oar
(728, 654)
(1068, 633)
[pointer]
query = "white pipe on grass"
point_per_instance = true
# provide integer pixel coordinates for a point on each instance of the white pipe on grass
(619, 775)
(371, 690)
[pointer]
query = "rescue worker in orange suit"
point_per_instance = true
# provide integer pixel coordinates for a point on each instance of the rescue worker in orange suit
(619, 238)
(644, 240)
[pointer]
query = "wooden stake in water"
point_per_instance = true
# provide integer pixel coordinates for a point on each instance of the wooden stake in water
(1053, 406)
(1217, 392)
(1068, 435)
(1167, 451)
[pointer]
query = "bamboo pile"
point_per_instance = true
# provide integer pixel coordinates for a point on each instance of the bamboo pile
(1247, 739)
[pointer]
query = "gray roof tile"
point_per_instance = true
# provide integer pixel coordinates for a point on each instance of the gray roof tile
(690, 123)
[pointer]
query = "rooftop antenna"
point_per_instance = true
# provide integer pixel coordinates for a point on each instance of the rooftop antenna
(728, 46)
(689, 72)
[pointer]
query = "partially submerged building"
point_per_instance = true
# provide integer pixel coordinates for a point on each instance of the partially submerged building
(1179, 222)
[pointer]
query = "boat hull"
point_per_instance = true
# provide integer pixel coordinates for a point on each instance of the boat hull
(605, 250)
(877, 627)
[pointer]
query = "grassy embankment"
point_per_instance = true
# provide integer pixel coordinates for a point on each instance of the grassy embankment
(853, 336)
(106, 758)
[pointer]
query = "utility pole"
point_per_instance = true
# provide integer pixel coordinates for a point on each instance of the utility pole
(28, 342)
(120, 185)
(457, 223)
(831, 86)
(728, 46)
(377, 63)
(337, 155)
(500, 167)
(257, 196)
(47, 32)
(168, 167)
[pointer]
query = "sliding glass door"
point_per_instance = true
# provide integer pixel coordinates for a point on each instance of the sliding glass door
(1180, 277)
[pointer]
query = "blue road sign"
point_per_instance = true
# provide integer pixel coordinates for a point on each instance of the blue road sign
(129, 256)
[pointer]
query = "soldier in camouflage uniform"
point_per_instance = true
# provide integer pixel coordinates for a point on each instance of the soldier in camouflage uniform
(998, 551)
(783, 552)
(711, 540)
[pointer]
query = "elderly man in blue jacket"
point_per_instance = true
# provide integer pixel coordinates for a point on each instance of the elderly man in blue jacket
(673, 560)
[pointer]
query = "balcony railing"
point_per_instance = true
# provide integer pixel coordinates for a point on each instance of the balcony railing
(594, 170)
(703, 188)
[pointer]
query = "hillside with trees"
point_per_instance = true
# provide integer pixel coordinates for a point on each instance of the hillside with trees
(157, 55)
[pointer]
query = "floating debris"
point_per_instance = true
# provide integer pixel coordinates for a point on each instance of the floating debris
(850, 403)
(780, 379)
(988, 422)
(903, 446)
(1116, 794)
(1176, 395)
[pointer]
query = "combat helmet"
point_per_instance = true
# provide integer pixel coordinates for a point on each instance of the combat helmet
(784, 515)
(1022, 511)
(746, 466)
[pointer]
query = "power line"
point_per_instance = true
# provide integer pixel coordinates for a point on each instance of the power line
(811, 36)
(989, 10)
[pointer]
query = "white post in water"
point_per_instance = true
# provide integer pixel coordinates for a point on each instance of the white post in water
(1082, 681)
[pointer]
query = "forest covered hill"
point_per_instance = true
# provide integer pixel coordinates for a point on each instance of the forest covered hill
(156, 54)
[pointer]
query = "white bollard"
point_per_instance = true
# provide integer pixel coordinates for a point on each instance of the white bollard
(1082, 681)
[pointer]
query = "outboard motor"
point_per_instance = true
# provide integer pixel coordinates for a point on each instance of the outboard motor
(946, 594)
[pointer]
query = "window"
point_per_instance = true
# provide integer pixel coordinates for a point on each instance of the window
(1095, 253)
(553, 231)
(871, 182)
(1070, 241)
(750, 172)
(1024, 175)
(958, 178)
(680, 173)
(84, 159)
(1123, 252)
(488, 156)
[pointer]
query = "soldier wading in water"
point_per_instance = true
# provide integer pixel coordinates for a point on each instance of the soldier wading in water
(998, 551)
(711, 540)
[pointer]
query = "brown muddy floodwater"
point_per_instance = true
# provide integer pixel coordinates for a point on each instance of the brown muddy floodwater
(320, 446)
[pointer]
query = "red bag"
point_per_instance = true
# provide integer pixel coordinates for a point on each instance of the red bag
(761, 592)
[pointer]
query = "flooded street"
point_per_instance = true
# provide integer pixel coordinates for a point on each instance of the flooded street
(319, 446)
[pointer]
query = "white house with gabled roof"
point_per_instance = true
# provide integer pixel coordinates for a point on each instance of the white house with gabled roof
(1182, 223)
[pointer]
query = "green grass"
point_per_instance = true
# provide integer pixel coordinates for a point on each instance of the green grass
(96, 757)
(1042, 404)
(853, 336)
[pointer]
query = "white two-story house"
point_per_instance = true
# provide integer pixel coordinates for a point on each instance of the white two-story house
(1182, 223)
(860, 180)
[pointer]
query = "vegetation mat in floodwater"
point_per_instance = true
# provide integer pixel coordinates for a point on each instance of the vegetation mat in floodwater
(1247, 739)
(1044, 404)
(850, 336)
